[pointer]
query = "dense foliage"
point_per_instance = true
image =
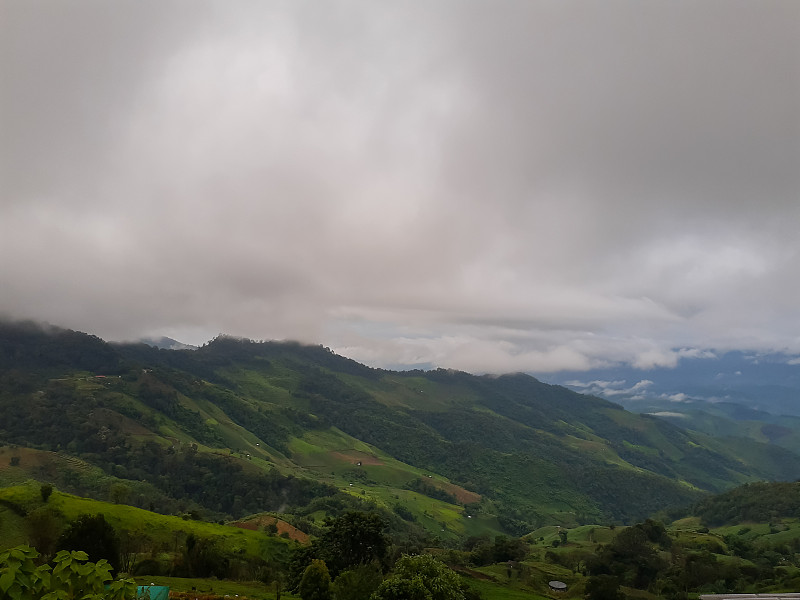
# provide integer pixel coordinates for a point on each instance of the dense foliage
(355, 555)
(420, 578)
(70, 578)
(755, 502)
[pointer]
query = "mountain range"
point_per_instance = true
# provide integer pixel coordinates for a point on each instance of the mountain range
(238, 427)
(768, 382)
(741, 394)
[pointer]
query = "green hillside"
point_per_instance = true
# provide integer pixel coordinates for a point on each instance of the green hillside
(725, 420)
(759, 502)
(647, 560)
(240, 427)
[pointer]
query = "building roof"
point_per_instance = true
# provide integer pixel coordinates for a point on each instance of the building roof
(795, 596)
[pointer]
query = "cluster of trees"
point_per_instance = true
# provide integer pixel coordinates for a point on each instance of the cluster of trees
(759, 502)
(484, 551)
(29, 348)
(352, 540)
(350, 559)
(646, 557)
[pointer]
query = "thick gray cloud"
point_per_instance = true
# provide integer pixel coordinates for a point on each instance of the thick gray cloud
(493, 186)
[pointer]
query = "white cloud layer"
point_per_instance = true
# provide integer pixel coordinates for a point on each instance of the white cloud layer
(484, 186)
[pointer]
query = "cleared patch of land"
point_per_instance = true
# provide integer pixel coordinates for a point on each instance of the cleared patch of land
(258, 523)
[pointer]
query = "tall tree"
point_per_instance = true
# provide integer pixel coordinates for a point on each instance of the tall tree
(95, 536)
(316, 582)
(420, 578)
(355, 538)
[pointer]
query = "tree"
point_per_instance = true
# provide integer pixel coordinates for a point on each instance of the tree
(632, 557)
(603, 587)
(357, 583)
(118, 493)
(93, 535)
(402, 589)
(204, 557)
(509, 549)
(72, 578)
(45, 491)
(316, 582)
(299, 560)
(131, 544)
(355, 538)
(43, 527)
(420, 578)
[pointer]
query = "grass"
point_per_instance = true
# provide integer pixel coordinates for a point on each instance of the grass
(161, 529)
(493, 591)
(245, 590)
(12, 529)
(778, 532)
(493, 581)
(333, 456)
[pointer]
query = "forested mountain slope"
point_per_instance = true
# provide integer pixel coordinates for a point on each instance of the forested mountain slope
(238, 427)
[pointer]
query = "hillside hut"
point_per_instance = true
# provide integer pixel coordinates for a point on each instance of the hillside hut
(558, 586)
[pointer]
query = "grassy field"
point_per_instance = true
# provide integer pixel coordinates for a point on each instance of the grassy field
(334, 457)
(163, 530)
(492, 591)
(253, 590)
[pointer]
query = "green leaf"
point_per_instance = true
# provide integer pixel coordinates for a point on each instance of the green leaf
(6, 580)
(44, 578)
(63, 564)
(23, 579)
(15, 592)
(19, 553)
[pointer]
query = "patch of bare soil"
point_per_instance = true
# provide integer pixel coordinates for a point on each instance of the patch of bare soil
(258, 523)
(462, 495)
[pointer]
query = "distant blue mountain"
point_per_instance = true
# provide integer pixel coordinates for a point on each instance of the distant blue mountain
(763, 382)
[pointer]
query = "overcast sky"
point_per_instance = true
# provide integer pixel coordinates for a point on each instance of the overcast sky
(489, 186)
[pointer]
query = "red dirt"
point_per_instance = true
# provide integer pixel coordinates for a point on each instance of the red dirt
(462, 495)
(258, 523)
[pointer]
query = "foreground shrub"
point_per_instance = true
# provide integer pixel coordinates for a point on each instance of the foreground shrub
(72, 578)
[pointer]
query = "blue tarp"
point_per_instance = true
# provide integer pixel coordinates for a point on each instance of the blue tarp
(152, 592)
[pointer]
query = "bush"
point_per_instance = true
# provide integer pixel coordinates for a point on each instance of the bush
(357, 583)
(93, 535)
(45, 491)
(71, 578)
